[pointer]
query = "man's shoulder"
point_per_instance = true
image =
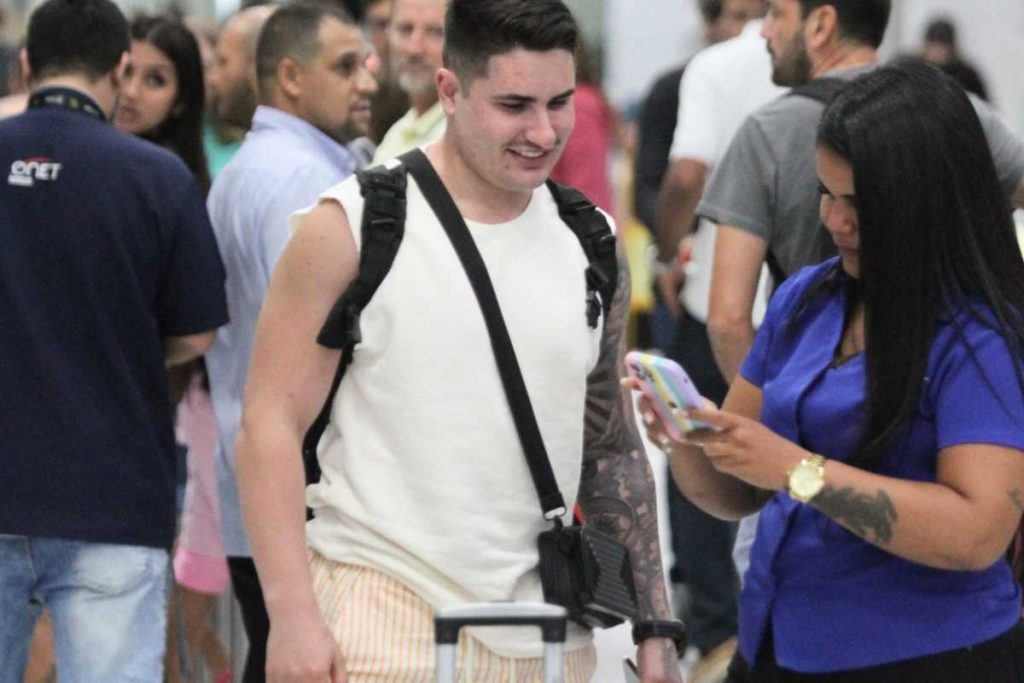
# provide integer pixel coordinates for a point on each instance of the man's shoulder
(668, 82)
(273, 158)
(107, 150)
(787, 112)
(729, 54)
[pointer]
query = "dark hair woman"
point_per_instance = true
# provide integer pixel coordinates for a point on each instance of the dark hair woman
(878, 422)
(163, 95)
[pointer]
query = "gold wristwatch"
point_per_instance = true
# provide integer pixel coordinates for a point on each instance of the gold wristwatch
(807, 479)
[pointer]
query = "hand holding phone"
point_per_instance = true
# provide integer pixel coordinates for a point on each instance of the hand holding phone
(668, 388)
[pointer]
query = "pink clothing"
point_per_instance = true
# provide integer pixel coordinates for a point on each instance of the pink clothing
(199, 561)
(200, 573)
(585, 161)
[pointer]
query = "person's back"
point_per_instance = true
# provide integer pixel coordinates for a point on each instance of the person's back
(87, 247)
(108, 274)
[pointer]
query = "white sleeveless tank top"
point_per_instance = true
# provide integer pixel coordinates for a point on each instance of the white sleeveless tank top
(423, 474)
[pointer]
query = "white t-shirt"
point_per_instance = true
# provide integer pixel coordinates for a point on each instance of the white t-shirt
(424, 477)
(722, 85)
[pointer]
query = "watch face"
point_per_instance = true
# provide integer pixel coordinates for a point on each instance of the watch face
(805, 481)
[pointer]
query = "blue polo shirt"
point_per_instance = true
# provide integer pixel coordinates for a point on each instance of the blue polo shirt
(105, 250)
(834, 601)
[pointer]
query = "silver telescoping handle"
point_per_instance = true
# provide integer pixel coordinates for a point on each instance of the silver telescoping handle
(550, 618)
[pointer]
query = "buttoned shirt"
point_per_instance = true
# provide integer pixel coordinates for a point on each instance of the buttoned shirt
(283, 165)
(412, 130)
(834, 601)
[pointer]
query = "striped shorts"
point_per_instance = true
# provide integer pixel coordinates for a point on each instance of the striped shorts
(386, 633)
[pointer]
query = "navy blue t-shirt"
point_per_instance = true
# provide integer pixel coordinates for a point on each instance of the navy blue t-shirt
(105, 249)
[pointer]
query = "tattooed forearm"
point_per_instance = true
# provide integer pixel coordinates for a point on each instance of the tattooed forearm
(617, 488)
(870, 517)
(1018, 499)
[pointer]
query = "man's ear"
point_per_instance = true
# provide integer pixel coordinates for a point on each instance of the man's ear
(26, 68)
(821, 27)
(289, 77)
(117, 75)
(448, 86)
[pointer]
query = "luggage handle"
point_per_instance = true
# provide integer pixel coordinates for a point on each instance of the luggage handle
(550, 618)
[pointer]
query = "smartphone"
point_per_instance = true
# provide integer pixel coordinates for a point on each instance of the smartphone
(629, 669)
(668, 388)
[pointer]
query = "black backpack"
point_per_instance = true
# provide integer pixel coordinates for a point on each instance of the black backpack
(383, 227)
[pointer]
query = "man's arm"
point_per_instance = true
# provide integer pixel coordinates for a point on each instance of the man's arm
(680, 193)
(617, 493)
(289, 379)
(180, 350)
(739, 256)
(1018, 197)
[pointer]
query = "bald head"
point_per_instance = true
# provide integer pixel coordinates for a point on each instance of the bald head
(235, 80)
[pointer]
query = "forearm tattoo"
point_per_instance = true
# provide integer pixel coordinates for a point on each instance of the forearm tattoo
(1018, 499)
(617, 493)
(870, 517)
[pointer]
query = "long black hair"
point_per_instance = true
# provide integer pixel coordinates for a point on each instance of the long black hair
(936, 234)
(182, 131)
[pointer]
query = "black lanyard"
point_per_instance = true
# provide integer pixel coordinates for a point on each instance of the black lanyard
(65, 98)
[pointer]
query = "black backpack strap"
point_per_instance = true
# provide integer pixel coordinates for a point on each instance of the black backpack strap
(823, 89)
(382, 229)
(598, 242)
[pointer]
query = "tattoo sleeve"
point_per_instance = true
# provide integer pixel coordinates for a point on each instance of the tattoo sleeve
(870, 517)
(1018, 499)
(617, 493)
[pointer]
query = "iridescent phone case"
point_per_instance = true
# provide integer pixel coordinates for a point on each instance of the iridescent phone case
(668, 388)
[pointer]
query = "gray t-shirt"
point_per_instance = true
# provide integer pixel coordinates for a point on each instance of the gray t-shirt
(767, 182)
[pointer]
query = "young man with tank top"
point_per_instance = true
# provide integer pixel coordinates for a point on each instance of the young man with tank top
(425, 499)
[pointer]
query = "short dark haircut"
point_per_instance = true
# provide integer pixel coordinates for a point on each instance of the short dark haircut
(293, 31)
(86, 37)
(476, 30)
(941, 31)
(181, 132)
(936, 236)
(860, 21)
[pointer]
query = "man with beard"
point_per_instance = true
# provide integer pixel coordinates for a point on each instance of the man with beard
(416, 37)
(764, 193)
(314, 88)
(233, 78)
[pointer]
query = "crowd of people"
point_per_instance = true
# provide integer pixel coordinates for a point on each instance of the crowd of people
(243, 353)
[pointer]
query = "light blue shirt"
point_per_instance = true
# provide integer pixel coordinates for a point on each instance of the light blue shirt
(283, 166)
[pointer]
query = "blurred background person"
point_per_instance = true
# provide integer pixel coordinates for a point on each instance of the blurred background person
(220, 140)
(234, 80)
(312, 69)
(941, 49)
(416, 43)
(390, 102)
(721, 86)
(585, 159)
(163, 100)
(163, 96)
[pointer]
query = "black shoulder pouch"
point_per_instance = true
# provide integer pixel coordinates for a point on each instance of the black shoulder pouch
(589, 573)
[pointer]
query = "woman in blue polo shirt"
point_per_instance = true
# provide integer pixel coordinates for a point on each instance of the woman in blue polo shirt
(878, 422)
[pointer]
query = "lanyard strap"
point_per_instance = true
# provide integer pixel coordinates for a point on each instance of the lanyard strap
(441, 202)
(65, 98)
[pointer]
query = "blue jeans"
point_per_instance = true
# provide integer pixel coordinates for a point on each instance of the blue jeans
(107, 603)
